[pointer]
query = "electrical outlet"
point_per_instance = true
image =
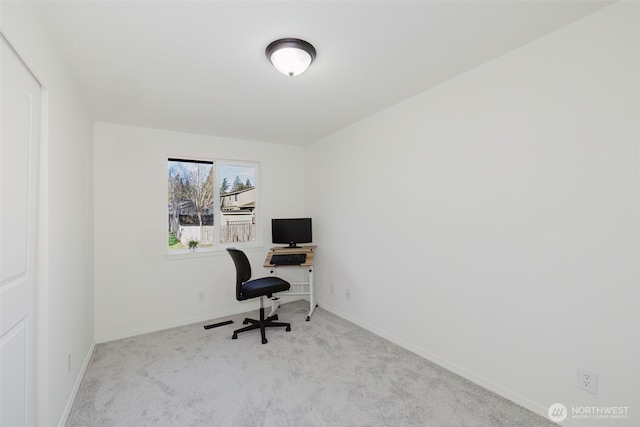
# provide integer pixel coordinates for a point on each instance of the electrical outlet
(347, 294)
(201, 296)
(331, 287)
(69, 363)
(588, 380)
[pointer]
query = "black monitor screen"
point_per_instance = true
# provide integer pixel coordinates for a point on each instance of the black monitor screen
(291, 231)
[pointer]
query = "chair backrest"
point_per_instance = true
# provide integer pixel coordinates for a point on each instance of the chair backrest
(243, 269)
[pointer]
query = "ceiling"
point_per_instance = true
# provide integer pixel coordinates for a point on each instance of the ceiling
(200, 67)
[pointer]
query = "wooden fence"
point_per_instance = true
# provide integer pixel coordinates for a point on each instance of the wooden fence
(232, 231)
(237, 231)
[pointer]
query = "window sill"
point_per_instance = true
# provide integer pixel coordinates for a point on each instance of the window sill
(188, 254)
(209, 252)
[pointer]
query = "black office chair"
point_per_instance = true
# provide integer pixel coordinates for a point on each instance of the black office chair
(246, 289)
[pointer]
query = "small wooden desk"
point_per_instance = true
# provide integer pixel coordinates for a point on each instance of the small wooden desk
(308, 264)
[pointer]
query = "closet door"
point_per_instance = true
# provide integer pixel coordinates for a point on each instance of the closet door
(20, 111)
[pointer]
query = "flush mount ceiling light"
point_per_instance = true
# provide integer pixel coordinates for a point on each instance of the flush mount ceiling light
(291, 56)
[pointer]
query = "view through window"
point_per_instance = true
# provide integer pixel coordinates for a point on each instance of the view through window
(210, 203)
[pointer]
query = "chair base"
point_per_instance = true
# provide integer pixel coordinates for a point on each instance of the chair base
(261, 324)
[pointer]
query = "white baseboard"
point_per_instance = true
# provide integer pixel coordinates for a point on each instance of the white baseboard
(241, 308)
(477, 379)
(76, 386)
(169, 325)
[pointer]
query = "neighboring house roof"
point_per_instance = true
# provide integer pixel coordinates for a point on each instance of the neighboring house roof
(231, 193)
(186, 207)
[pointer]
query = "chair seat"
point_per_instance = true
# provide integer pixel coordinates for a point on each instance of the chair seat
(263, 286)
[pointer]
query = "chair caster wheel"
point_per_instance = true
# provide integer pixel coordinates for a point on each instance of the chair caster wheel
(245, 321)
(288, 329)
(274, 317)
(264, 341)
(234, 337)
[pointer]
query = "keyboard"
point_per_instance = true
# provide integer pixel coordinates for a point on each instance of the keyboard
(288, 259)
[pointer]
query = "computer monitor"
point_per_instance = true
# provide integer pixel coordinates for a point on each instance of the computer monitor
(291, 231)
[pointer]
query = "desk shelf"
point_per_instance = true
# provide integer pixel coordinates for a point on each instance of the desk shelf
(308, 264)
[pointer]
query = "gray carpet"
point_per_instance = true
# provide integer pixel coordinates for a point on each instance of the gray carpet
(326, 372)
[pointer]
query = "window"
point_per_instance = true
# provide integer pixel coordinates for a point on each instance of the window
(211, 203)
(237, 203)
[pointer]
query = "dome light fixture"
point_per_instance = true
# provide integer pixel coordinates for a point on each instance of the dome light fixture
(291, 56)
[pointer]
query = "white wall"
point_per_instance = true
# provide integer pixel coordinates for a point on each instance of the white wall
(65, 289)
(518, 259)
(521, 264)
(138, 287)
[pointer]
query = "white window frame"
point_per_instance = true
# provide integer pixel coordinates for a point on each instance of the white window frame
(218, 246)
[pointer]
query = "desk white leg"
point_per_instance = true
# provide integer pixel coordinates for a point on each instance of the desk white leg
(275, 305)
(312, 299)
